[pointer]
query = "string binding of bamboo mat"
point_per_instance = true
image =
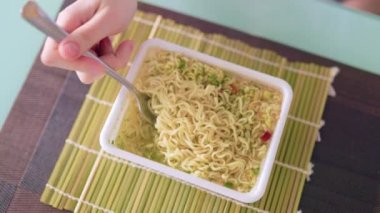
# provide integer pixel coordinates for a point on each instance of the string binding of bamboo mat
(81, 179)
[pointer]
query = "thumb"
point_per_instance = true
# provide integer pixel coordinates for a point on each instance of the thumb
(87, 35)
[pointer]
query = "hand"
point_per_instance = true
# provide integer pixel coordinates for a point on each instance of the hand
(89, 24)
(372, 6)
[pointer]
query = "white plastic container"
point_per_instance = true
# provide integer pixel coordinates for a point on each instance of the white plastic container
(113, 122)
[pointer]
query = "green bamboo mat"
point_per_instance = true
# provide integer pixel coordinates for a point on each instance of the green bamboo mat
(87, 179)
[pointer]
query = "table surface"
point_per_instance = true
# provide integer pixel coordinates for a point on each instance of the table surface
(320, 27)
(346, 174)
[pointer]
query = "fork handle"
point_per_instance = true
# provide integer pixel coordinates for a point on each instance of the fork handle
(39, 19)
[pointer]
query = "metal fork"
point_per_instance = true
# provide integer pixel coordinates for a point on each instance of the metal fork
(39, 19)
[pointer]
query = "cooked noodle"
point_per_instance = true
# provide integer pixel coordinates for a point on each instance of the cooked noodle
(209, 123)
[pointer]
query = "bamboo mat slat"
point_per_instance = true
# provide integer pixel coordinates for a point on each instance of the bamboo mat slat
(86, 179)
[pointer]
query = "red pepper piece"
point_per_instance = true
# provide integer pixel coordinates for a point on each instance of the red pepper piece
(266, 136)
(234, 88)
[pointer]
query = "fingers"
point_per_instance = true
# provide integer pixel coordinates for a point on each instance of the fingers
(88, 34)
(89, 70)
(105, 47)
(121, 56)
(88, 22)
(107, 19)
(49, 53)
(70, 19)
(116, 60)
(76, 14)
(51, 57)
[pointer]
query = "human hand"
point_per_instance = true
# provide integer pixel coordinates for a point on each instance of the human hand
(89, 24)
(372, 6)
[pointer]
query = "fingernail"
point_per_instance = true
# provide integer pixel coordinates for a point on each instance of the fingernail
(71, 49)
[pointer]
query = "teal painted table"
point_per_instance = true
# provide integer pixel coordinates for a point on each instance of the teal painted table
(319, 27)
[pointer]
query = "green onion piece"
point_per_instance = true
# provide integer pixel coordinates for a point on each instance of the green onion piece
(256, 171)
(229, 185)
(213, 79)
(267, 95)
(182, 64)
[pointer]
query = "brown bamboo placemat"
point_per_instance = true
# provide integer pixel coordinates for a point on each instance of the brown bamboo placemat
(88, 179)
